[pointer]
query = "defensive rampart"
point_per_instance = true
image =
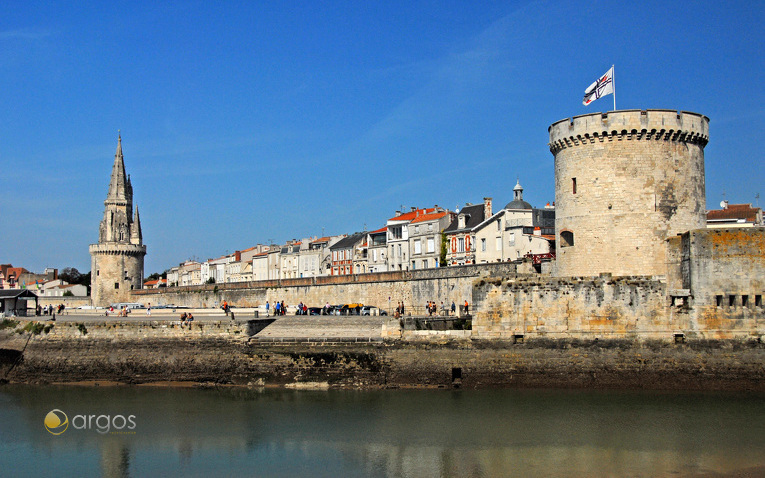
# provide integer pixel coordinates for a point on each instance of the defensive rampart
(382, 290)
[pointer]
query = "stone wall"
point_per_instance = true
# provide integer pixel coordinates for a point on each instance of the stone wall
(624, 182)
(718, 277)
(382, 290)
(215, 353)
(603, 307)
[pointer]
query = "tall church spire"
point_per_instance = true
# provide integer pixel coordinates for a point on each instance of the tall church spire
(118, 185)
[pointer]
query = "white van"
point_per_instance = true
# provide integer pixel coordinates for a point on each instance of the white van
(129, 305)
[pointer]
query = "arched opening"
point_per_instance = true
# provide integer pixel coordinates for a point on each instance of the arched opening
(566, 238)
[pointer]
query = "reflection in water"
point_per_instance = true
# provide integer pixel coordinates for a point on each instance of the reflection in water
(115, 459)
(228, 431)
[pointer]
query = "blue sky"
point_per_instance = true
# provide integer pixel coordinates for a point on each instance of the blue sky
(246, 122)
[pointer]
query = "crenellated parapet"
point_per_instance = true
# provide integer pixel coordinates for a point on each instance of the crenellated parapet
(629, 125)
(120, 249)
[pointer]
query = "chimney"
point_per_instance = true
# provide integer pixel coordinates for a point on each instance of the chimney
(238, 256)
(414, 208)
(486, 208)
(398, 213)
(537, 231)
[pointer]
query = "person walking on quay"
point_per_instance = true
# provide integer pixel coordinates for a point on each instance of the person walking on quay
(454, 308)
(268, 307)
(277, 309)
(284, 309)
(148, 310)
(466, 307)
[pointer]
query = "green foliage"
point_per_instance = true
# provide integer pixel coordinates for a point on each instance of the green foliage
(81, 327)
(48, 328)
(68, 293)
(33, 328)
(211, 280)
(8, 324)
(442, 258)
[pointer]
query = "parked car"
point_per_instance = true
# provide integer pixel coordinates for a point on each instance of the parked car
(315, 310)
(333, 310)
(372, 310)
(351, 309)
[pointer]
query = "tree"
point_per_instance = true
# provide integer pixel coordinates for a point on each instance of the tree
(68, 293)
(443, 249)
(211, 280)
(70, 275)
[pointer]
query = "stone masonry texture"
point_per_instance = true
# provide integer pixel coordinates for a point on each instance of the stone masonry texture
(625, 181)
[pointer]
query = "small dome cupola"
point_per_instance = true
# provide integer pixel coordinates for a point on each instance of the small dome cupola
(518, 202)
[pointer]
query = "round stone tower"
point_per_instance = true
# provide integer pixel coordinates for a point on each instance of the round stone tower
(117, 259)
(625, 181)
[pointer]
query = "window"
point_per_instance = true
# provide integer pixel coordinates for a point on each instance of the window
(430, 227)
(511, 240)
(425, 264)
(461, 244)
(417, 229)
(414, 265)
(744, 301)
(431, 245)
(718, 300)
(566, 239)
(399, 250)
(116, 285)
(395, 232)
(499, 224)
(573, 185)
(417, 247)
(731, 301)
(483, 245)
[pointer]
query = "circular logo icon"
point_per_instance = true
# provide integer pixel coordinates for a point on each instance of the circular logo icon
(56, 422)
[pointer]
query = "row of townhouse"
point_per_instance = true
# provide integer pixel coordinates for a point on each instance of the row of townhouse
(420, 238)
(518, 230)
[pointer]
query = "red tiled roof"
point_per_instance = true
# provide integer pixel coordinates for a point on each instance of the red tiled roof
(382, 229)
(734, 211)
(261, 254)
(429, 217)
(408, 216)
(321, 239)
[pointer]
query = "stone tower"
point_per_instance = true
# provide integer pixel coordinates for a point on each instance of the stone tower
(625, 181)
(117, 259)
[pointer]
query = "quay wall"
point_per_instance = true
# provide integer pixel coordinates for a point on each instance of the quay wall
(220, 354)
(383, 290)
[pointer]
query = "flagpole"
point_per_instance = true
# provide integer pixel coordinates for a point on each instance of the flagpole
(613, 83)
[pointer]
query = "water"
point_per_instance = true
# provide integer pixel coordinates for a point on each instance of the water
(411, 433)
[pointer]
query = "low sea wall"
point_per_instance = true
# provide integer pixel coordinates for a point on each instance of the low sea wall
(220, 352)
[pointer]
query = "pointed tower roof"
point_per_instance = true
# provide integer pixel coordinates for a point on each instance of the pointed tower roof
(518, 202)
(118, 185)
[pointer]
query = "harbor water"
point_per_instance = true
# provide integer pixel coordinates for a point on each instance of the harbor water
(164, 431)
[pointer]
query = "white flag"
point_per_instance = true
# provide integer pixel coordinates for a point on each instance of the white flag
(601, 87)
